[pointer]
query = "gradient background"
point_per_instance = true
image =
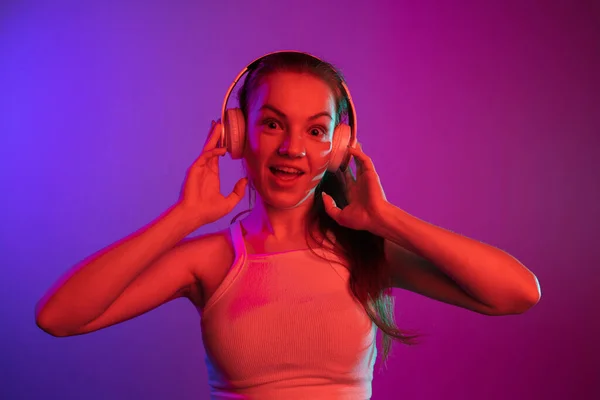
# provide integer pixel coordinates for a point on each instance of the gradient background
(481, 118)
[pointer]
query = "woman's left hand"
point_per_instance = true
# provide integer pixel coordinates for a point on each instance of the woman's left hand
(366, 198)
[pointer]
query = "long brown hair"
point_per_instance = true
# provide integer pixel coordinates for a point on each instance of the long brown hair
(370, 275)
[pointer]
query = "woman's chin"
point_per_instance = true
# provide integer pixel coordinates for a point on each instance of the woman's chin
(287, 200)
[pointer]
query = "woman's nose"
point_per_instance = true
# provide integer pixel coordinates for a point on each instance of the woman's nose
(293, 146)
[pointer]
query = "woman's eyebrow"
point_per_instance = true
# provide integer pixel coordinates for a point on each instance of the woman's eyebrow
(282, 114)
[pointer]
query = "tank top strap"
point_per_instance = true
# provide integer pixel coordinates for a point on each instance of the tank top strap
(235, 269)
(238, 240)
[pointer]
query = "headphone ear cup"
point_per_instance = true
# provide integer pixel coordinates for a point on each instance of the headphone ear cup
(235, 132)
(339, 148)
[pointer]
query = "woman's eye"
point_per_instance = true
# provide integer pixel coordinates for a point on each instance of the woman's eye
(318, 131)
(271, 124)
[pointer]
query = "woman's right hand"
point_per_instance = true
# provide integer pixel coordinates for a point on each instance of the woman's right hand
(201, 198)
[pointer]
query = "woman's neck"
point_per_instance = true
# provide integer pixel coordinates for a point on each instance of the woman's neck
(267, 227)
(275, 224)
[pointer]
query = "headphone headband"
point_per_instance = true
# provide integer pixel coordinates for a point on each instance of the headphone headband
(351, 109)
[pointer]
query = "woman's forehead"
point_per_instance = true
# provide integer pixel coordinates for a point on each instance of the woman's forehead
(297, 93)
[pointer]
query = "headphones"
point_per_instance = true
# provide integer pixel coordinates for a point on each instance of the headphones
(233, 133)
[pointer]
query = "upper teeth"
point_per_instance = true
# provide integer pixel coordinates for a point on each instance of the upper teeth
(287, 169)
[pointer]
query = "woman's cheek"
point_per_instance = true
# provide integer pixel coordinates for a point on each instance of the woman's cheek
(325, 147)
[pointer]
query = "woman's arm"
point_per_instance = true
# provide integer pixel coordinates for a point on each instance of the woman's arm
(155, 254)
(493, 281)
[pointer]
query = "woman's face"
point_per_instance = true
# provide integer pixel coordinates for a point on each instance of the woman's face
(290, 124)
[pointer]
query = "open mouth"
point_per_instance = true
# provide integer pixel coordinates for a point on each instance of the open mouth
(286, 174)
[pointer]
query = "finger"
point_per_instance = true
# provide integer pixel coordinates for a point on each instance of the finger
(330, 206)
(350, 176)
(238, 192)
(213, 154)
(207, 156)
(362, 161)
(213, 157)
(200, 158)
(213, 136)
(210, 130)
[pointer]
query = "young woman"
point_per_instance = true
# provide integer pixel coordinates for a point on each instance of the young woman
(291, 297)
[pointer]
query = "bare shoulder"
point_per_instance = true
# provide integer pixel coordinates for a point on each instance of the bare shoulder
(211, 249)
(211, 256)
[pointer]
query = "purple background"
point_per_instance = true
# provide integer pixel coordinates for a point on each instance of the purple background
(482, 118)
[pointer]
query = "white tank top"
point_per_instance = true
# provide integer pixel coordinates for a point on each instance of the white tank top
(286, 326)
